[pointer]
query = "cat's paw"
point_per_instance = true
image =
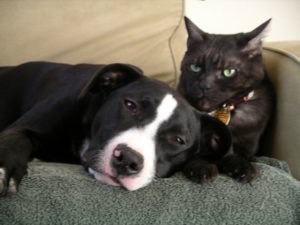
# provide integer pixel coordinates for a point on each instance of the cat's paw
(200, 172)
(238, 168)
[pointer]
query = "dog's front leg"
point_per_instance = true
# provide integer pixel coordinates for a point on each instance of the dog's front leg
(15, 150)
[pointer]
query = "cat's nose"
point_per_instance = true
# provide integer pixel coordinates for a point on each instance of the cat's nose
(205, 86)
(207, 82)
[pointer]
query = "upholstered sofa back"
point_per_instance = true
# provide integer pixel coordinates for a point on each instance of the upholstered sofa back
(144, 33)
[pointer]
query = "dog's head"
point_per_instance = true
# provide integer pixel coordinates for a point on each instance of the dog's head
(143, 129)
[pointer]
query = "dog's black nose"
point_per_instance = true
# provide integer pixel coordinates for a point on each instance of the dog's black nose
(126, 161)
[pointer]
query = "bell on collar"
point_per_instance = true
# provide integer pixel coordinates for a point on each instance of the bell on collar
(224, 113)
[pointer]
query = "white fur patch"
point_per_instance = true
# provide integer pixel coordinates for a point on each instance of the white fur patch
(12, 187)
(2, 177)
(84, 147)
(141, 140)
(2, 173)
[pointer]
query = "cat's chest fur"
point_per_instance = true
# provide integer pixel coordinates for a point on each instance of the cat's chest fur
(255, 112)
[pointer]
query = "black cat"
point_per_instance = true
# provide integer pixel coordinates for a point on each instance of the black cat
(224, 76)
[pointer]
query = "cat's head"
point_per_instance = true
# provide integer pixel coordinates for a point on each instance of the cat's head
(217, 67)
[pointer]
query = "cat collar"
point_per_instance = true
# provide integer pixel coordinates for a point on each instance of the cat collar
(224, 113)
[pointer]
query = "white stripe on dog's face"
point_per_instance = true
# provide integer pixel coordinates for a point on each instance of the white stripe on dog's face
(141, 140)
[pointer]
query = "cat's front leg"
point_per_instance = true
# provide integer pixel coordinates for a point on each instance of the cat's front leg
(238, 168)
(200, 171)
(238, 162)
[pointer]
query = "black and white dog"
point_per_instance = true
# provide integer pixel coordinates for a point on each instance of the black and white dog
(125, 128)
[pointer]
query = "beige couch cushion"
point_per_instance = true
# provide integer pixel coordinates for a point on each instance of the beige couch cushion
(91, 31)
(283, 65)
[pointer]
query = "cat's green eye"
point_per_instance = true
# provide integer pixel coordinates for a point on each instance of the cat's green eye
(195, 68)
(229, 72)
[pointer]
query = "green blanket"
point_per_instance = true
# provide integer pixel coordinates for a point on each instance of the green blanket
(65, 194)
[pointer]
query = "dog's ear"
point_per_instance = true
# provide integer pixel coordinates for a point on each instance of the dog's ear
(216, 139)
(111, 77)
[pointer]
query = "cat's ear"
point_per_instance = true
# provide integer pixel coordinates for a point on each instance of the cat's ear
(195, 35)
(254, 39)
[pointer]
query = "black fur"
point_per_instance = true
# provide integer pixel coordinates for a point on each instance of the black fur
(204, 84)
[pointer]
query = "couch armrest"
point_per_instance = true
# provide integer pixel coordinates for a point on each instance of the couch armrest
(283, 65)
